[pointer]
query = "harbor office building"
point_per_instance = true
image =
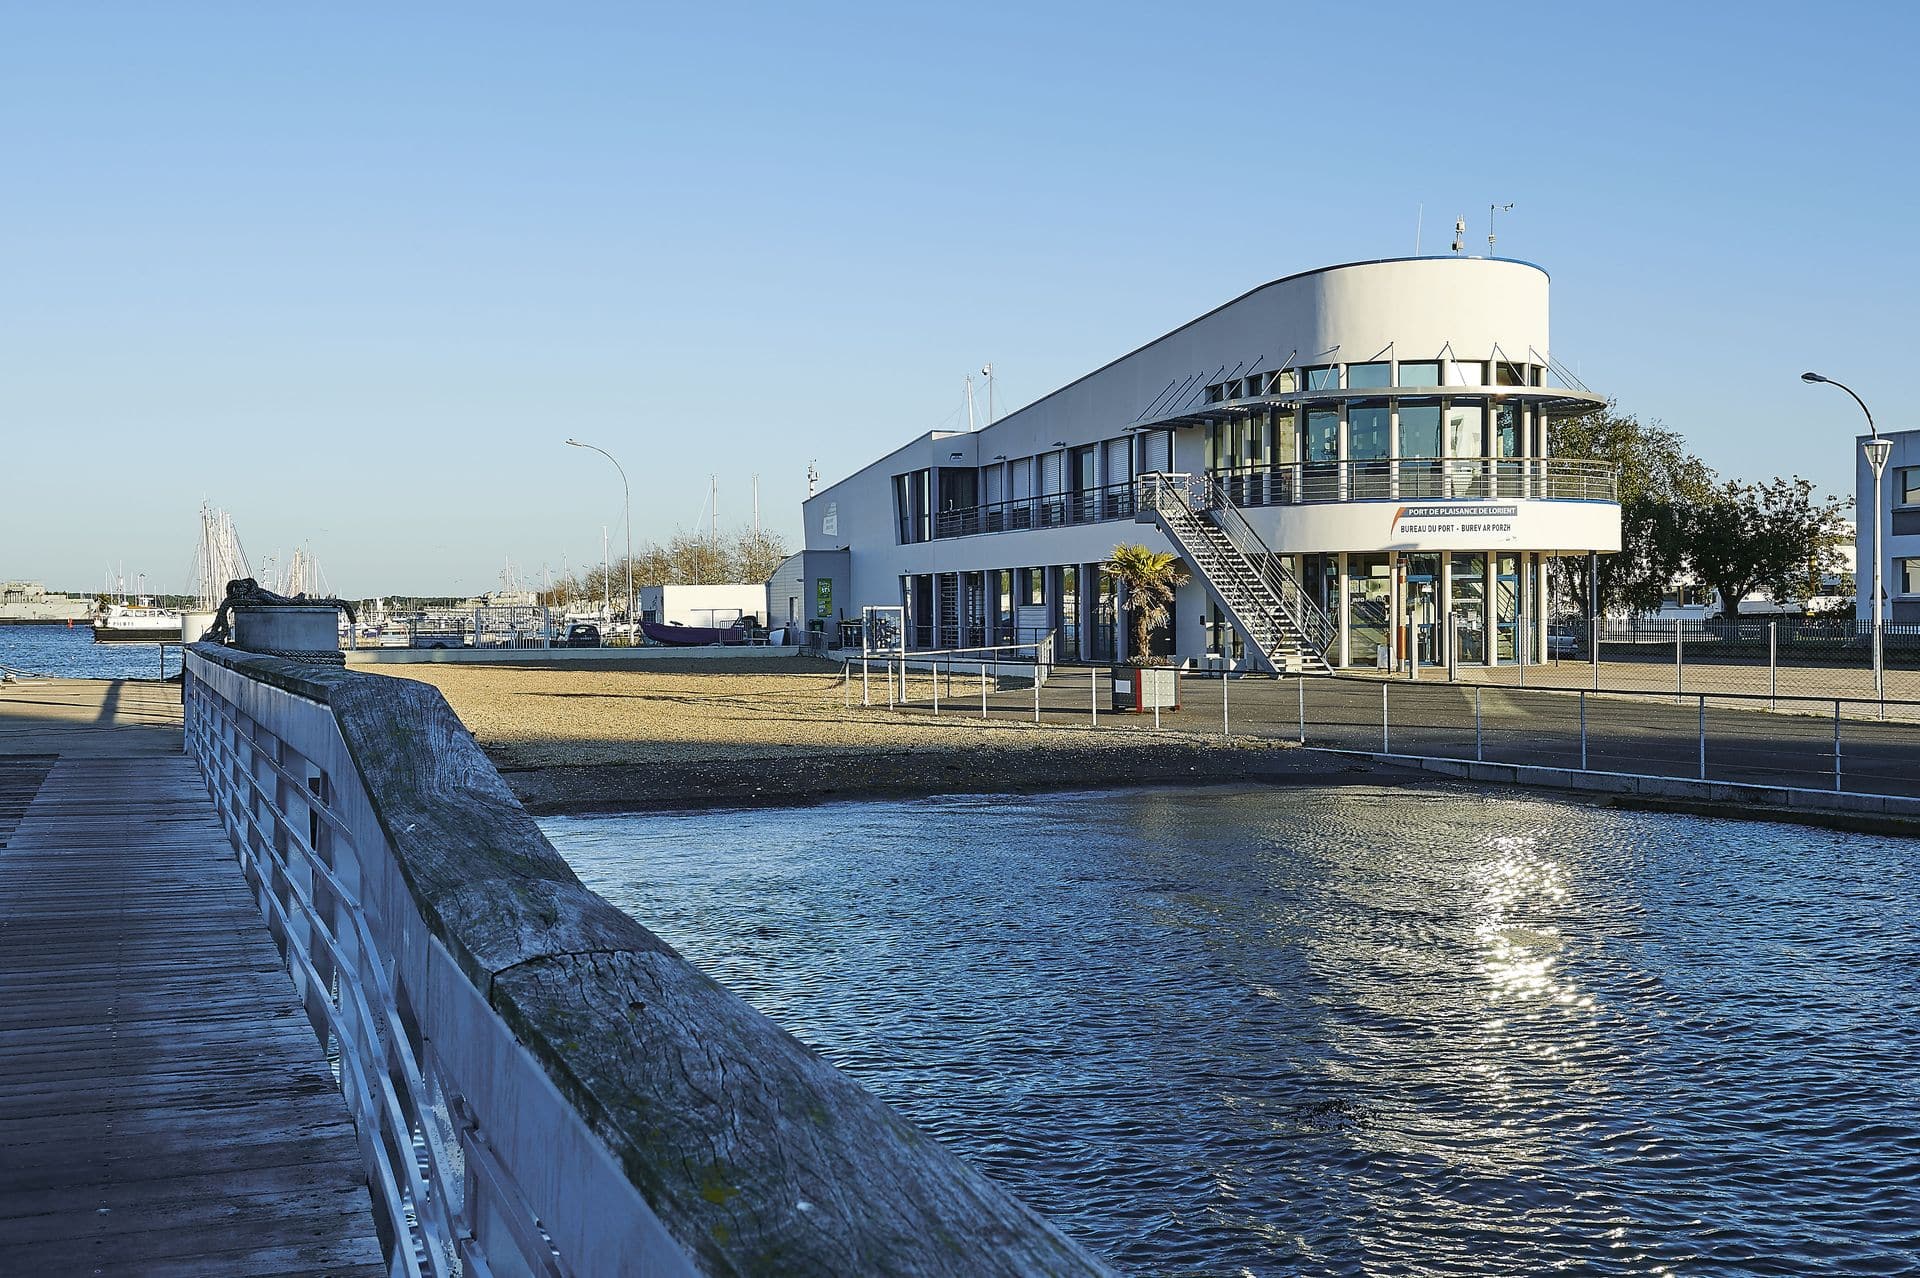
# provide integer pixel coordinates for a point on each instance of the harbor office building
(1353, 464)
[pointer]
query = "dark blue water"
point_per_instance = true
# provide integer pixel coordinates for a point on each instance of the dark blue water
(1348, 1030)
(64, 653)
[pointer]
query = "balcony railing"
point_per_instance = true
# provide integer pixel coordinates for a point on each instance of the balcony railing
(1421, 478)
(1050, 510)
(1312, 483)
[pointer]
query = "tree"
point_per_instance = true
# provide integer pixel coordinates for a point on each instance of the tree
(1658, 481)
(1150, 578)
(1773, 536)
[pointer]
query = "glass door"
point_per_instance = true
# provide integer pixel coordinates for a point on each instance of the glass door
(1469, 580)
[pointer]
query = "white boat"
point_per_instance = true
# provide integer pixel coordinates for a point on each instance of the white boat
(141, 620)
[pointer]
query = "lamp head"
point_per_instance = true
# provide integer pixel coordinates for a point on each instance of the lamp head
(576, 443)
(1812, 377)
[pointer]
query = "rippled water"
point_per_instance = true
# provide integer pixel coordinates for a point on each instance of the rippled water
(1345, 1030)
(72, 654)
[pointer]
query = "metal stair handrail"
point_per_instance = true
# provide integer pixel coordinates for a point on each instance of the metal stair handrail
(1179, 498)
(1308, 617)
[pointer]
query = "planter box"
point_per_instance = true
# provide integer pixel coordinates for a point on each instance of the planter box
(1142, 688)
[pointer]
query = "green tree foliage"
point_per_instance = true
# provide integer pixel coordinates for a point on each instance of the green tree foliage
(1772, 536)
(1150, 578)
(1659, 481)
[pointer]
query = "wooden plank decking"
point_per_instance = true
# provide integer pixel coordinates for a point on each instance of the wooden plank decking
(164, 1105)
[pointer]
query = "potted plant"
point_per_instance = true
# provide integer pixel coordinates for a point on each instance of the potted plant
(1150, 577)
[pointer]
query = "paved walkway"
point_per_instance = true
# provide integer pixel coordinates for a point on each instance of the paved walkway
(164, 1105)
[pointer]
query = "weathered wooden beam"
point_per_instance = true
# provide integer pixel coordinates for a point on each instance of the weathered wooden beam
(756, 1155)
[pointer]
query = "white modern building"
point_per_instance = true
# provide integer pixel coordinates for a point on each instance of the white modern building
(1354, 463)
(1898, 523)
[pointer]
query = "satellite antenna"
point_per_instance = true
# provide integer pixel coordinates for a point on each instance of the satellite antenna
(1459, 234)
(1492, 209)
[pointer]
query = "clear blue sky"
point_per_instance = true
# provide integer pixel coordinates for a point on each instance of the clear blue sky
(354, 270)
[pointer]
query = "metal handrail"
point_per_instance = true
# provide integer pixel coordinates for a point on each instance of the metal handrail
(1185, 496)
(1422, 479)
(1307, 616)
(1042, 510)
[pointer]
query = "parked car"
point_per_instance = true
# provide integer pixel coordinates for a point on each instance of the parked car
(583, 634)
(1562, 643)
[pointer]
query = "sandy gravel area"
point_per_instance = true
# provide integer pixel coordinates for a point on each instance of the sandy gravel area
(760, 732)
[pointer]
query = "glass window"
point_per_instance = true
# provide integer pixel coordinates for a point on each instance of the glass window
(1326, 377)
(1909, 576)
(1036, 593)
(1419, 427)
(1323, 435)
(1252, 433)
(1506, 429)
(1507, 373)
(1906, 486)
(1421, 374)
(1466, 426)
(1369, 430)
(1466, 373)
(1366, 376)
(1284, 382)
(1469, 573)
(1369, 589)
(1286, 436)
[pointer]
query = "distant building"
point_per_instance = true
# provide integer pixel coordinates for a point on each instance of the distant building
(1899, 519)
(716, 606)
(808, 592)
(27, 602)
(1373, 439)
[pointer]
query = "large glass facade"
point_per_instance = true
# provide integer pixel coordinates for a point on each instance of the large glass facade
(1367, 376)
(1420, 609)
(1369, 595)
(1420, 373)
(1506, 605)
(1323, 434)
(1468, 579)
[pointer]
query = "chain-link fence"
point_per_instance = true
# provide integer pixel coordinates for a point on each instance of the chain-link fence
(1775, 657)
(1837, 744)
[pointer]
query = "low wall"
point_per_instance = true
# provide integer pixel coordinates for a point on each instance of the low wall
(648, 1120)
(549, 656)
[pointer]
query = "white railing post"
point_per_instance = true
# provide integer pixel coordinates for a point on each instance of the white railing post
(1302, 682)
(1593, 648)
(1773, 665)
(1703, 736)
(1226, 723)
(1093, 694)
(1583, 730)
(1383, 717)
(866, 697)
(1836, 744)
(983, 688)
(1679, 658)
(1479, 753)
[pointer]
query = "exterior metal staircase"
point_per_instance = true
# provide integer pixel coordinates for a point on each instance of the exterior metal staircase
(1254, 587)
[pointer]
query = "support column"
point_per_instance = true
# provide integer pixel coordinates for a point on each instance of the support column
(1340, 598)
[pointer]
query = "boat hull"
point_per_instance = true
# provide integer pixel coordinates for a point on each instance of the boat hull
(691, 636)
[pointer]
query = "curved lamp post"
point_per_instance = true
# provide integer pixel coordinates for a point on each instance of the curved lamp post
(1876, 450)
(626, 489)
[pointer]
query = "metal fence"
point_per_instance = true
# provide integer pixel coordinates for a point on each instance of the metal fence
(1834, 744)
(1775, 657)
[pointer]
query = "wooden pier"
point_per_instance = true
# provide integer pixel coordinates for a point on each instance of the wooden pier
(164, 1105)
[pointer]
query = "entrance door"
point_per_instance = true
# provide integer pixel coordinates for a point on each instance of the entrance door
(1470, 606)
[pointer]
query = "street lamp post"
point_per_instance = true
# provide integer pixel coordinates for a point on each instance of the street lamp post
(628, 491)
(1876, 450)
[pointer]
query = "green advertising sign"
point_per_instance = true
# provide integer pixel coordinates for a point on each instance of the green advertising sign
(823, 597)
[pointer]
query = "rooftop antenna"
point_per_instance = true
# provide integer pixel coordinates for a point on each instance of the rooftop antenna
(1419, 216)
(971, 424)
(813, 479)
(986, 371)
(1459, 234)
(756, 503)
(1493, 209)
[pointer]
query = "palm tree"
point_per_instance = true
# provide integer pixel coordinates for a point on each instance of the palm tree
(1150, 577)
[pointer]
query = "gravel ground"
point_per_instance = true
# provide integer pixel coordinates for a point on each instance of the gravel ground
(772, 732)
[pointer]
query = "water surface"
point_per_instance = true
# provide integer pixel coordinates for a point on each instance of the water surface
(1332, 1031)
(70, 653)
